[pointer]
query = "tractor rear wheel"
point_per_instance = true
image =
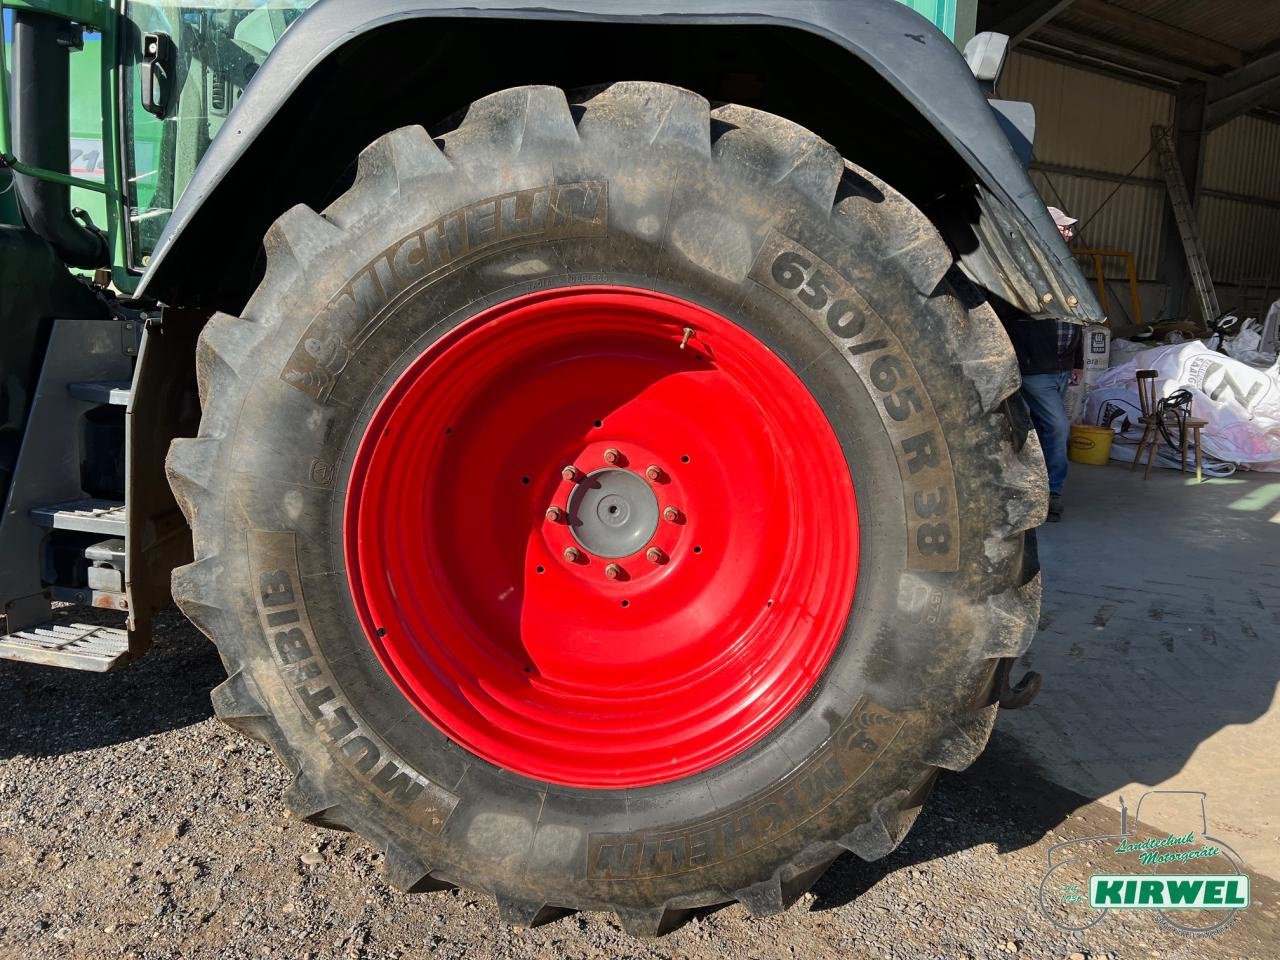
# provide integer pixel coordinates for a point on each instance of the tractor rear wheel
(614, 506)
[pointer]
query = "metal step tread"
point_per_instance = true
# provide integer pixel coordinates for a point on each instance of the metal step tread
(77, 646)
(115, 392)
(89, 516)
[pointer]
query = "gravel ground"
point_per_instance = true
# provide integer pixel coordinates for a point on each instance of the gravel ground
(134, 824)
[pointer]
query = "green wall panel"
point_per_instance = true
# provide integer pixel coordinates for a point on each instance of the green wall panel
(955, 18)
(942, 13)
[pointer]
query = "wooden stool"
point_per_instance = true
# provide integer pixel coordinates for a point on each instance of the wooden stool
(1152, 421)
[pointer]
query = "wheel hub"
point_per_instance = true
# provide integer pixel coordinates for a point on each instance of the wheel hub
(613, 512)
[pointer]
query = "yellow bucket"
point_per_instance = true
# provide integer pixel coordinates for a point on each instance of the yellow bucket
(1090, 444)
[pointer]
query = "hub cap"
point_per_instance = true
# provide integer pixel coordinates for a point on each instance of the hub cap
(601, 537)
(613, 513)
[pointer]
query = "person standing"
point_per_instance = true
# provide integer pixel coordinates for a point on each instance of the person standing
(1051, 359)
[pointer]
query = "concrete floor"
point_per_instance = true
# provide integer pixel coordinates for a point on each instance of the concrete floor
(1160, 645)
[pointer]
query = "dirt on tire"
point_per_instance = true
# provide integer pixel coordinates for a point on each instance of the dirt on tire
(738, 210)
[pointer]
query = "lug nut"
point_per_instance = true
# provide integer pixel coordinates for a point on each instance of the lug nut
(612, 456)
(569, 473)
(572, 554)
(613, 571)
(653, 473)
(555, 514)
(670, 514)
(654, 555)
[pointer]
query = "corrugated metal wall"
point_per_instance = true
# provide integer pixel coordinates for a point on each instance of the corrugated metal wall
(1091, 136)
(1240, 208)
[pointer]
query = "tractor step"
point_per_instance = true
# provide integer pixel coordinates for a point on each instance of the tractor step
(76, 646)
(87, 516)
(114, 392)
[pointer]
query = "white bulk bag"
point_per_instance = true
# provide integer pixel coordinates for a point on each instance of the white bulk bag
(1241, 403)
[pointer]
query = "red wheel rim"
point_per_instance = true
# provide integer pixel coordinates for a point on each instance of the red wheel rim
(711, 629)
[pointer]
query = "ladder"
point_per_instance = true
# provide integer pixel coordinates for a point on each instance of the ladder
(1188, 226)
(82, 646)
(63, 523)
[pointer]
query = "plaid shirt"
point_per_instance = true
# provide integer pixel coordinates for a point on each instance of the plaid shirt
(1066, 337)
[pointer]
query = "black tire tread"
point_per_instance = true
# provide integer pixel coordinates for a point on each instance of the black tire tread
(661, 117)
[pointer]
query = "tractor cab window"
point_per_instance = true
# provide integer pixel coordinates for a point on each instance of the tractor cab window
(85, 146)
(86, 158)
(196, 59)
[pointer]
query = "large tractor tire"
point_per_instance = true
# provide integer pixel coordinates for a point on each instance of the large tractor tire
(612, 506)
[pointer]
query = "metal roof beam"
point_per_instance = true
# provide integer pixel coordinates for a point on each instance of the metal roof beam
(1208, 52)
(1172, 70)
(1021, 19)
(1242, 90)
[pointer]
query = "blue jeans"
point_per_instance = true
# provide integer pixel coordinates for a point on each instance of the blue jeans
(1046, 396)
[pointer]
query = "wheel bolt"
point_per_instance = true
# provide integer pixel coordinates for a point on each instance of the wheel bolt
(572, 554)
(569, 473)
(612, 456)
(613, 571)
(653, 473)
(555, 514)
(654, 555)
(670, 514)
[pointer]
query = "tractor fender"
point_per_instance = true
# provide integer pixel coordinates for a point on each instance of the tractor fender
(996, 221)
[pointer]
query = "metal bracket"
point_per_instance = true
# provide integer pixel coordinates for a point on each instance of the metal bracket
(71, 36)
(23, 612)
(135, 320)
(130, 337)
(164, 406)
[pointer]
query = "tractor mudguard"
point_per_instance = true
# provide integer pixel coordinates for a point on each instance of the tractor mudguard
(998, 226)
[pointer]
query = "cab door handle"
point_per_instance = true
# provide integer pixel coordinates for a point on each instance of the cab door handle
(157, 72)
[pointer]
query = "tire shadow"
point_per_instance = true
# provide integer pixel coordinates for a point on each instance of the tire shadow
(1002, 799)
(54, 711)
